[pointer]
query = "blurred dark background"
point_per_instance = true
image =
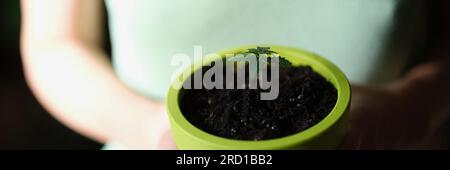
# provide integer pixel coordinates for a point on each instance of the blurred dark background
(24, 124)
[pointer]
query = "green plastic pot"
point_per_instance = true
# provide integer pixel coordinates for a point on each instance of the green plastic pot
(327, 134)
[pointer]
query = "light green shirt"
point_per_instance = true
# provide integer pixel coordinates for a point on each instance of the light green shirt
(369, 40)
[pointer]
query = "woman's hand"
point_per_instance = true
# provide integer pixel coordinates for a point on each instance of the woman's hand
(388, 117)
(166, 141)
(164, 138)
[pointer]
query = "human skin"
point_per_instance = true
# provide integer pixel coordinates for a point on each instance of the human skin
(70, 75)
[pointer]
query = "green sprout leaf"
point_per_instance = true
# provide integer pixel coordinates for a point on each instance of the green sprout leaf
(266, 50)
(284, 63)
(258, 51)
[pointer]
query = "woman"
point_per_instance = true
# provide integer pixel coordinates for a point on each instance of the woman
(372, 41)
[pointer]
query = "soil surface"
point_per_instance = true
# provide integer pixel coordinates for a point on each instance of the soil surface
(305, 98)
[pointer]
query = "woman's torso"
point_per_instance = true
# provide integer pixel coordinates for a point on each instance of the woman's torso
(369, 40)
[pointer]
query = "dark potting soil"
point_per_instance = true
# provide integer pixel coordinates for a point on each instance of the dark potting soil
(305, 98)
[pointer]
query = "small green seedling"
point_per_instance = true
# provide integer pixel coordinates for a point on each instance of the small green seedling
(263, 55)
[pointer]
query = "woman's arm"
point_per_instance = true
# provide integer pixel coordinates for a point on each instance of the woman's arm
(69, 73)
